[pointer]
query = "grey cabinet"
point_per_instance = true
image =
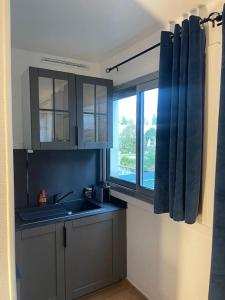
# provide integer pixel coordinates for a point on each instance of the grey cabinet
(53, 109)
(71, 259)
(66, 111)
(40, 260)
(95, 255)
(94, 112)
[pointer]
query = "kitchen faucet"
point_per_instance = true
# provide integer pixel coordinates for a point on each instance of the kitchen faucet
(57, 199)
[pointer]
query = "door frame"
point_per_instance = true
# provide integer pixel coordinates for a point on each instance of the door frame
(7, 228)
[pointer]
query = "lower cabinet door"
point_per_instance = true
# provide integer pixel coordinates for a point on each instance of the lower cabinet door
(91, 254)
(40, 259)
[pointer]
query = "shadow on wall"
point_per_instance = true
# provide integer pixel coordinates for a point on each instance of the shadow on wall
(167, 260)
(149, 255)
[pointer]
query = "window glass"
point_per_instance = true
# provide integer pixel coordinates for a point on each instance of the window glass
(123, 153)
(46, 126)
(150, 101)
(45, 93)
(61, 94)
(89, 127)
(88, 98)
(101, 99)
(62, 133)
(101, 128)
(132, 158)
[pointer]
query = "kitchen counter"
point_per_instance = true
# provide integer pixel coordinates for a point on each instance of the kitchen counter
(114, 205)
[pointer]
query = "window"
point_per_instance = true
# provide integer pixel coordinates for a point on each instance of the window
(131, 162)
(148, 137)
(123, 154)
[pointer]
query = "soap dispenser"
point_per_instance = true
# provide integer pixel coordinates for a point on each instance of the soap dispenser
(42, 199)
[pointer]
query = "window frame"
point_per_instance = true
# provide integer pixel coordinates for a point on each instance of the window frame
(138, 87)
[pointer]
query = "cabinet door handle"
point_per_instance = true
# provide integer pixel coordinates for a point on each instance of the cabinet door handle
(64, 237)
(76, 134)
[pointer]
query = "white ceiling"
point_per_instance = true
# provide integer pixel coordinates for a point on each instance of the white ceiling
(89, 29)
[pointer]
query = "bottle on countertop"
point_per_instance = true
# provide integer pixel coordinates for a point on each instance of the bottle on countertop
(106, 192)
(42, 199)
(89, 192)
(103, 192)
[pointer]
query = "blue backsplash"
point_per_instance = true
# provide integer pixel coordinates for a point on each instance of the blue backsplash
(55, 171)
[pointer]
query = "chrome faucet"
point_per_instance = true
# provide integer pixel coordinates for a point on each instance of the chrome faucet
(57, 199)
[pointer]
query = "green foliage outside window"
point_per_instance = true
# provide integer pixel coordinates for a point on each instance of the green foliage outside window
(128, 162)
(127, 145)
(127, 137)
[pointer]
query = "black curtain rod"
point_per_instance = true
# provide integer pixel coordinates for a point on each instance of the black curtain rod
(214, 18)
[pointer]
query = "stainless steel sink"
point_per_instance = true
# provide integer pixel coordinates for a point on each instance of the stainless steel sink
(57, 210)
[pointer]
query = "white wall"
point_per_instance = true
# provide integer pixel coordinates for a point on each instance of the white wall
(140, 66)
(21, 61)
(169, 260)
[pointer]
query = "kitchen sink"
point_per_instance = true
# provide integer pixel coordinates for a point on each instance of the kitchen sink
(79, 206)
(57, 210)
(39, 213)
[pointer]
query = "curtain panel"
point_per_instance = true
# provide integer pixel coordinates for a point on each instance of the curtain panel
(217, 278)
(179, 138)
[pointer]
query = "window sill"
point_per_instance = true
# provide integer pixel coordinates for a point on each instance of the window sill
(135, 201)
(148, 206)
(131, 200)
(132, 197)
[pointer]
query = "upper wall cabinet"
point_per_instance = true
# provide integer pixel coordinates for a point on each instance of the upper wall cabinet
(65, 111)
(94, 112)
(52, 110)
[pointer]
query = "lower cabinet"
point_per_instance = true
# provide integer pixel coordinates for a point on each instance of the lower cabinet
(40, 260)
(71, 259)
(95, 253)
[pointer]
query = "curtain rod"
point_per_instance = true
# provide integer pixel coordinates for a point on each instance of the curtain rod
(214, 18)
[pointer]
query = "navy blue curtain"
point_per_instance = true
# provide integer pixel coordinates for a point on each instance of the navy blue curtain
(179, 137)
(217, 278)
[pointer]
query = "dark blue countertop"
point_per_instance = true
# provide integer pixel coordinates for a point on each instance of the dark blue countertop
(113, 205)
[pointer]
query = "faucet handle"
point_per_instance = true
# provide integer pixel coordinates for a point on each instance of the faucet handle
(57, 200)
(55, 197)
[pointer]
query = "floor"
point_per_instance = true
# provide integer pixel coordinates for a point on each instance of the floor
(120, 291)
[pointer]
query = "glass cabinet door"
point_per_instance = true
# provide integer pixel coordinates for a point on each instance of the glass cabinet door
(95, 113)
(89, 112)
(101, 113)
(94, 100)
(53, 110)
(55, 107)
